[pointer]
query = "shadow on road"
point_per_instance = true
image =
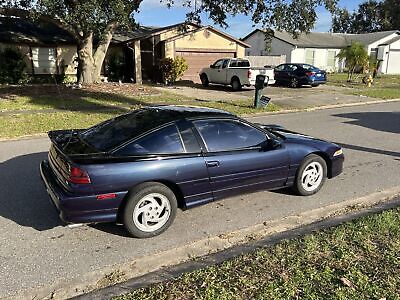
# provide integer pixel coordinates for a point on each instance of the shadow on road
(371, 150)
(24, 199)
(381, 121)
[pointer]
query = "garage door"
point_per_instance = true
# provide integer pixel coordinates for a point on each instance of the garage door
(198, 60)
(394, 62)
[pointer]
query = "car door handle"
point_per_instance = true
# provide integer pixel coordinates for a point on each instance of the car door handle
(211, 164)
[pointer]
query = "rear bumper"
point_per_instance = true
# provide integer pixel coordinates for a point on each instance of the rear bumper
(314, 81)
(78, 208)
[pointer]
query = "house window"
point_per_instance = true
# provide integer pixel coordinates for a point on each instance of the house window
(331, 59)
(44, 60)
(310, 55)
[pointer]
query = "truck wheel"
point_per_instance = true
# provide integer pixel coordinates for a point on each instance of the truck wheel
(236, 86)
(204, 80)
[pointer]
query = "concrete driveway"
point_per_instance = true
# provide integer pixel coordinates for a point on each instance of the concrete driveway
(37, 253)
(285, 97)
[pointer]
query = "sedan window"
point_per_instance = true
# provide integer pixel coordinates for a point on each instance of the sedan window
(225, 135)
(163, 141)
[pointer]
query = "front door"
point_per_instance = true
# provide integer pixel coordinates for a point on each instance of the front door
(235, 160)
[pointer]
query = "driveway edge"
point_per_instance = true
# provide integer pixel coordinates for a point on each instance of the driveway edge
(120, 273)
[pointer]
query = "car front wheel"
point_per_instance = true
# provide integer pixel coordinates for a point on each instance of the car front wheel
(310, 176)
(294, 82)
(204, 80)
(150, 210)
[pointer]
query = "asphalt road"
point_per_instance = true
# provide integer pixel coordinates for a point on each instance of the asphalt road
(37, 251)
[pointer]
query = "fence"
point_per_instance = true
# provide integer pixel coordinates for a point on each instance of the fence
(266, 60)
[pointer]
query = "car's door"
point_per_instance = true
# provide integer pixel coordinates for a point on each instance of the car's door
(235, 159)
(278, 73)
(220, 75)
(214, 70)
(170, 154)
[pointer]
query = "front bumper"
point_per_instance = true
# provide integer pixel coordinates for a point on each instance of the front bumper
(78, 208)
(337, 166)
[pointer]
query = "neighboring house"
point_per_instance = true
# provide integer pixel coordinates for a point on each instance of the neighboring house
(51, 50)
(321, 48)
(47, 48)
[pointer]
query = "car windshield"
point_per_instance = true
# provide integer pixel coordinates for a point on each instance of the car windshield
(112, 133)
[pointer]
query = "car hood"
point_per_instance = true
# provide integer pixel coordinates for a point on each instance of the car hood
(294, 137)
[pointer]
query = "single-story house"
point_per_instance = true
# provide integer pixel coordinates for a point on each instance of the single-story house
(47, 48)
(51, 50)
(321, 48)
(198, 45)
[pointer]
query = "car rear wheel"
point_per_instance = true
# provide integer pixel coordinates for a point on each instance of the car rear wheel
(236, 86)
(150, 210)
(204, 80)
(310, 176)
(315, 85)
(294, 82)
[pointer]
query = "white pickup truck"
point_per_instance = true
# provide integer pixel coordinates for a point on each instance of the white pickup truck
(236, 72)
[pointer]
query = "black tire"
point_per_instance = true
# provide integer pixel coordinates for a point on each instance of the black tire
(315, 85)
(136, 197)
(294, 82)
(204, 80)
(236, 85)
(299, 185)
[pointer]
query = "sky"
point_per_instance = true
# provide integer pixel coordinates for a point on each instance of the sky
(156, 13)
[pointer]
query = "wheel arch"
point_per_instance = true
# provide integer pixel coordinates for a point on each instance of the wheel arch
(171, 185)
(235, 77)
(327, 160)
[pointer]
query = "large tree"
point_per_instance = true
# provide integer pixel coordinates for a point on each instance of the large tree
(370, 16)
(93, 22)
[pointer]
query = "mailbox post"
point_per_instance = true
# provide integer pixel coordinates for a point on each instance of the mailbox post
(260, 79)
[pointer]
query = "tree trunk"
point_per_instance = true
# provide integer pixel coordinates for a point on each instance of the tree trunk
(85, 60)
(101, 50)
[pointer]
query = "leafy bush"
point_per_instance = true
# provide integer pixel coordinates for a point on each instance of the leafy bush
(116, 67)
(173, 69)
(13, 68)
(356, 58)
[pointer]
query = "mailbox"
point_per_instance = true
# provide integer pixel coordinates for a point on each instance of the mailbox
(259, 86)
(260, 79)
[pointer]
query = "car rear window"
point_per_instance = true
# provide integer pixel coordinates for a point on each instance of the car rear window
(309, 68)
(112, 133)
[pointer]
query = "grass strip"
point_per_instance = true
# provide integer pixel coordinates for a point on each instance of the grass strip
(356, 260)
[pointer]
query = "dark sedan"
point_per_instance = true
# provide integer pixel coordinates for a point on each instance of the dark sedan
(138, 168)
(296, 75)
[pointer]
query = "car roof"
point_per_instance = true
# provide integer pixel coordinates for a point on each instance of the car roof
(178, 112)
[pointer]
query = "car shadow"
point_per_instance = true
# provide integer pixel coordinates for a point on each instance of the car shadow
(24, 198)
(380, 121)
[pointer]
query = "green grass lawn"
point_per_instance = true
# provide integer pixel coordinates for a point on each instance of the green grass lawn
(58, 107)
(357, 260)
(384, 86)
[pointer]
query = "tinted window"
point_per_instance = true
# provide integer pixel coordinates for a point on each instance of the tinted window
(243, 63)
(225, 64)
(221, 135)
(280, 68)
(218, 64)
(233, 64)
(112, 133)
(163, 141)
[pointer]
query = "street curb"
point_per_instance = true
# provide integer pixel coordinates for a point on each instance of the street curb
(173, 272)
(132, 269)
(255, 115)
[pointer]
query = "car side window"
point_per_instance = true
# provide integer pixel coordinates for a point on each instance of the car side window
(225, 64)
(225, 135)
(280, 68)
(163, 141)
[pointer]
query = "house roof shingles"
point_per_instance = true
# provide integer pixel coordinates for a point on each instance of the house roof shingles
(25, 31)
(328, 39)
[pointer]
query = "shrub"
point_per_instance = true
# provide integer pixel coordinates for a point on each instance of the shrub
(173, 69)
(13, 68)
(116, 67)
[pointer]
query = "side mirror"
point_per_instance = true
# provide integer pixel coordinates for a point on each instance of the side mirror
(211, 66)
(270, 144)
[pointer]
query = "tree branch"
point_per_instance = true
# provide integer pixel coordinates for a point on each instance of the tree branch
(17, 12)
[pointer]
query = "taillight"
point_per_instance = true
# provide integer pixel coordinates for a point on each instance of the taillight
(249, 74)
(78, 176)
(310, 73)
